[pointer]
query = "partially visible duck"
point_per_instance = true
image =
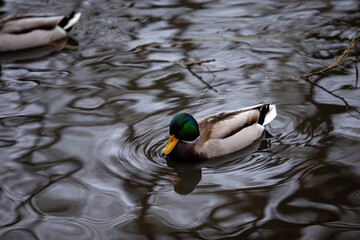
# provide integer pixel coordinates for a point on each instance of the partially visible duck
(29, 31)
(218, 134)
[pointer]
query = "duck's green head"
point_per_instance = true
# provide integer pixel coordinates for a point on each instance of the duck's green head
(182, 127)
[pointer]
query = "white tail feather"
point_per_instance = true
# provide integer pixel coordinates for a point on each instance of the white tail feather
(72, 21)
(270, 115)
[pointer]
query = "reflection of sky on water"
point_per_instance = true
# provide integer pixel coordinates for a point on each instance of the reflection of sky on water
(81, 130)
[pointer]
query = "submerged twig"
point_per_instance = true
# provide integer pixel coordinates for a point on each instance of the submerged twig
(229, 39)
(199, 63)
(187, 65)
(208, 84)
(202, 80)
(330, 67)
(356, 68)
(141, 49)
(347, 105)
(338, 62)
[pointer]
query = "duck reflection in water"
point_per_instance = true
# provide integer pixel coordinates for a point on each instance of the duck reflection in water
(188, 172)
(186, 180)
(38, 52)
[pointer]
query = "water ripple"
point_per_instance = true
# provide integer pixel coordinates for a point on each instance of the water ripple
(81, 130)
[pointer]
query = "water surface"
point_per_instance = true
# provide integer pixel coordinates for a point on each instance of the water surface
(81, 130)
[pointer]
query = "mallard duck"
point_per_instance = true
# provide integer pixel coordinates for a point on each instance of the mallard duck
(218, 134)
(29, 31)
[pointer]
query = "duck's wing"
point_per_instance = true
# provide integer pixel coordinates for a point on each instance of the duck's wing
(228, 132)
(35, 38)
(241, 139)
(225, 124)
(23, 24)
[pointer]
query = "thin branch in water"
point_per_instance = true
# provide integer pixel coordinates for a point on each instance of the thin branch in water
(238, 38)
(209, 84)
(202, 80)
(203, 96)
(330, 67)
(356, 68)
(337, 63)
(347, 106)
(306, 77)
(199, 63)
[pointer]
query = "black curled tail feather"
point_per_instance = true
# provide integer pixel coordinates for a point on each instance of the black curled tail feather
(69, 21)
(66, 19)
(263, 111)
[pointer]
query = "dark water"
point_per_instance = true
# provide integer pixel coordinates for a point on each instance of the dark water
(82, 129)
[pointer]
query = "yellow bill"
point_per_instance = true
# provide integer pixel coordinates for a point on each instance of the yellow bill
(170, 145)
